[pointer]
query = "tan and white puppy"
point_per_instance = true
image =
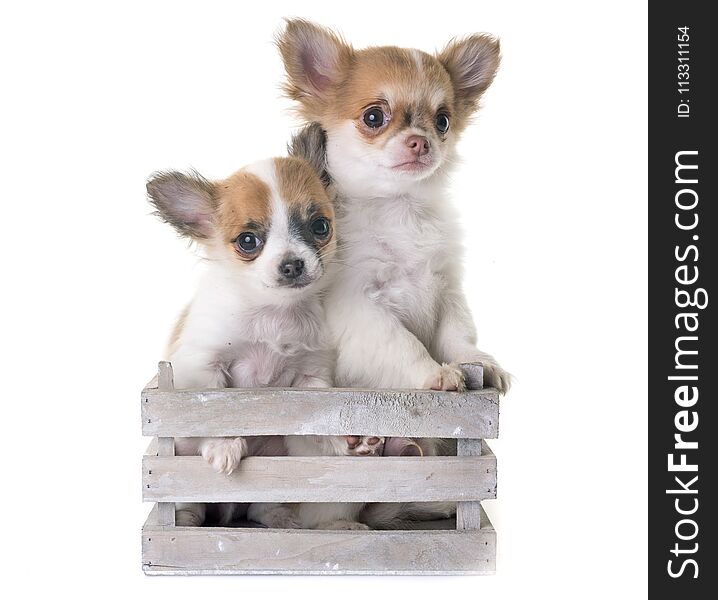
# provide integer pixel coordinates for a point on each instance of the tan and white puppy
(256, 319)
(392, 117)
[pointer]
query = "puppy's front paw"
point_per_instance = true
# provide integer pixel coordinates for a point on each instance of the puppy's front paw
(364, 446)
(224, 454)
(446, 377)
(283, 519)
(344, 524)
(496, 377)
(186, 517)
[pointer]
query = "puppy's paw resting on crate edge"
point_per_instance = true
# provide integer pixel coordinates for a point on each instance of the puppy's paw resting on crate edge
(496, 377)
(446, 377)
(224, 454)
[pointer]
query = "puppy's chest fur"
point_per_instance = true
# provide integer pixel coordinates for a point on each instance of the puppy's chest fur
(254, 345)
(399, 255)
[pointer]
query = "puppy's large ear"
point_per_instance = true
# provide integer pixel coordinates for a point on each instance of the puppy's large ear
(472, 63)
(186, 201)
(314, 58)
(310, 143)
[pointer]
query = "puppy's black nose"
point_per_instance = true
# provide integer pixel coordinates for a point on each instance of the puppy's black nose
(291, 268)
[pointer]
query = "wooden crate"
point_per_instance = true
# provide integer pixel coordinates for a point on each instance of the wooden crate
(465, 545)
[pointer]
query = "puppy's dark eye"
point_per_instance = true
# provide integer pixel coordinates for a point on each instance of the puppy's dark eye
(320, 227)
(247, 242)
(442, 122)
(374, 117)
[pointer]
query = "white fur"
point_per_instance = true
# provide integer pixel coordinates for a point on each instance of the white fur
(395, 304)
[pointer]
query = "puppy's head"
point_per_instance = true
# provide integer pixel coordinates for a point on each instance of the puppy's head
(270, 224)
(392, 115)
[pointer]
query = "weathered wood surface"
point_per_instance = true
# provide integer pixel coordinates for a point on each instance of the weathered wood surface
(165, 376)
(470, 548)
(473, 375)
(166, 510)
(165, 445)
(273, 411)
(226, 551)
(468, 514)
(321, 479)
(293, 411)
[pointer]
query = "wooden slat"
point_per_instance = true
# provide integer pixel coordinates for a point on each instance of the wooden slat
(225, 551)
(321, 479)
(473, 375)
(468, 514)
(165, 445)
(272, 411)
(165, 376)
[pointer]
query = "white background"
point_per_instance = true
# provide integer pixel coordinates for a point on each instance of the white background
(553, 193)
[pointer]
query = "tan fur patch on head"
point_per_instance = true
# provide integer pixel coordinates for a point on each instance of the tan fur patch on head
(307, 200)
(300, 187)
(401, 75)
(412, 84)
(244, 205)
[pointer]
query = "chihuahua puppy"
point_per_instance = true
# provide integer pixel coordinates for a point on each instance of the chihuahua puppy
(256, 319)
(391, 118)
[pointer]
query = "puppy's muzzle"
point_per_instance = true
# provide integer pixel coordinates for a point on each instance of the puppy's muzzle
(292, 272)
(291, 268)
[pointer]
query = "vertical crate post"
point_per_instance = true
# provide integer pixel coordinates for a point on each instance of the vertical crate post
(165, 445)
(468, 514)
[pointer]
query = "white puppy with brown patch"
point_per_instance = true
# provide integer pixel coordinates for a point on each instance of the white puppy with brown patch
(392, 117)
(256, 319)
